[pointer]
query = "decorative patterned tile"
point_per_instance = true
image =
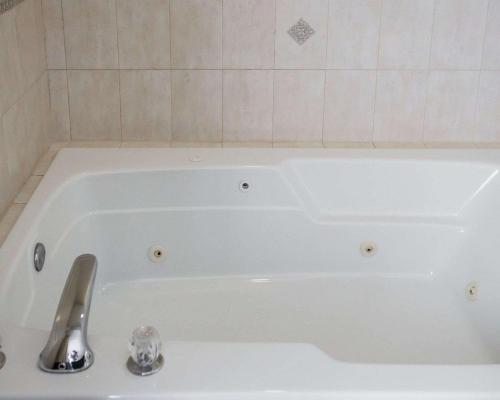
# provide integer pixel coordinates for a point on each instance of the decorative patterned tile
(301, 31)
(312, 53)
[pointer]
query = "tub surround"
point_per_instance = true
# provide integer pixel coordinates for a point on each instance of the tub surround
(361, 71)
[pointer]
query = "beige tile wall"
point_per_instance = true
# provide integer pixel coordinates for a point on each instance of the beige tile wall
(212, 71)
(24, 96)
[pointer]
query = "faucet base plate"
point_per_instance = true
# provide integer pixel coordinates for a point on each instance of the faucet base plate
(136, 369)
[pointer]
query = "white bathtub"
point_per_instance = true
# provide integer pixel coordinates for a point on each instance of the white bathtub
(265, 293)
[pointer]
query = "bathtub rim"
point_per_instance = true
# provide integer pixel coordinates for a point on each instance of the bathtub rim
(73, 164)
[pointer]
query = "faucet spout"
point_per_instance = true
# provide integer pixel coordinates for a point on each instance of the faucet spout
(67, 349)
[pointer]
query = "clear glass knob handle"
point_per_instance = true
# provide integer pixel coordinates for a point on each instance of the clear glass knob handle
(145, 351)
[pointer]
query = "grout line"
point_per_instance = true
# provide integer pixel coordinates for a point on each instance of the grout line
(282, 69)
(64, 33)
(275, 83)
(325, 73)
(274, 71)
(476, 106)
(275, 30)
(324, 108)
(24, 93)
(486, 24)
(222, 73)
(47, 132)
(67, 77)
(272, 105)
(119, 67)
(44, 37)
(432, 34)
(375, 95)
(170, 74)
(480, 76)
(426, 98)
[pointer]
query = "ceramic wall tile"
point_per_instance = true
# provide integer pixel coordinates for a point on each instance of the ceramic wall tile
(353, 33)
(90, 34)
(54, 34)
(307, 20)
(451, 106)
(196, 34)
(197, 106)
(491, 52)
(405, 34)
(94, 103)
(459, 27)
(488, 115)
(349, 105)
(11, 78)
(144, 34)
(30, 39)
(248, 40)
(145, 105)
(248, 106)
(59, 126)
(298, 106)
(5, 194)
(400, 106)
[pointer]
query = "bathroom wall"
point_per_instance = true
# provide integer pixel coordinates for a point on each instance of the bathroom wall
(408, 71)
(24, 96)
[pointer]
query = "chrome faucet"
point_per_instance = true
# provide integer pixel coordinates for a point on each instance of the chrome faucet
(67, 349)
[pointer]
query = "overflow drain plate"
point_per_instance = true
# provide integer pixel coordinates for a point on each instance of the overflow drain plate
(39, 257)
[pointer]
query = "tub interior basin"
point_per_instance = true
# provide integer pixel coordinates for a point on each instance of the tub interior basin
(251, 281)
(274, 252)
(351, 318)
